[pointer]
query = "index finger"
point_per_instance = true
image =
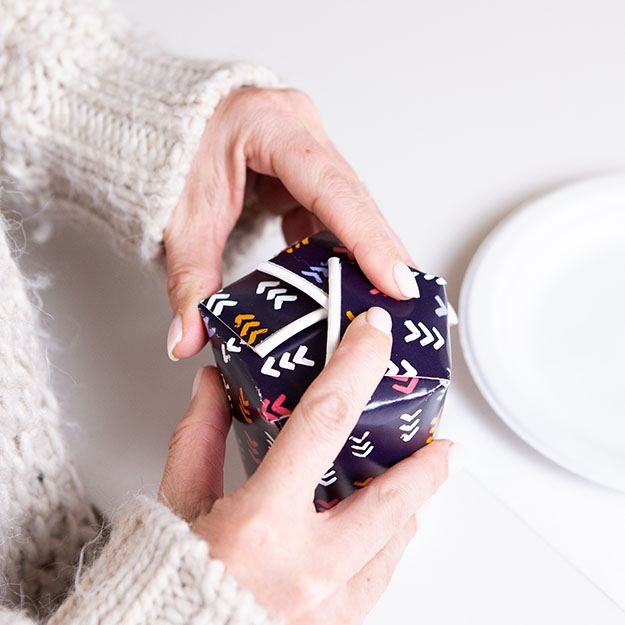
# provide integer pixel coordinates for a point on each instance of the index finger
(328, 188)
(328, 410)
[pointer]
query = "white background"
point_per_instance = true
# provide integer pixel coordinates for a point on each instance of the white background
(453, 113)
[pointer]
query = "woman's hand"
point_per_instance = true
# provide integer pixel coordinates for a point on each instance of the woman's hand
(303, 566)
(298, 175)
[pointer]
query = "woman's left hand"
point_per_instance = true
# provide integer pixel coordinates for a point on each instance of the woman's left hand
(301, 177)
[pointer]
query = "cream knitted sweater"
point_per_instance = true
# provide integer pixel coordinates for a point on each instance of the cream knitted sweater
(93, 120)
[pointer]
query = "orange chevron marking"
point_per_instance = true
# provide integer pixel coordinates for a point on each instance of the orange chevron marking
(363, 483)
(350, 315)
(429, 440)
(239, 319)
(248, 326)
(290, 250)
(254, 335)
(243, 405)
(248, 321)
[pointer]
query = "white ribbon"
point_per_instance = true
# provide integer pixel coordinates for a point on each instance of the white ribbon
(330, 307)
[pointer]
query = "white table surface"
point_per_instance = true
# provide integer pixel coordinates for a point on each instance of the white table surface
(453, 113)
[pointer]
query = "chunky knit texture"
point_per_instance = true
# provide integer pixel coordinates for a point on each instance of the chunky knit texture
(103, 125)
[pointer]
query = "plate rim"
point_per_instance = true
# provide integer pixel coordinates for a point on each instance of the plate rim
(466, 343)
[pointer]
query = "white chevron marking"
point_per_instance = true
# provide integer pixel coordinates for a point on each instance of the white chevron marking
(329, 477)
(266, 284)
(361, 451)
(300, 357)
(411, 427)
(277, 295)
(441, 311)
(428, 338)
(217, 302)
(409, 370)
(268, 369)
(415, 333)
(224, 354)
(232, 346)
(440, 340)
(287, 362)
(393, 370)
(429, 276)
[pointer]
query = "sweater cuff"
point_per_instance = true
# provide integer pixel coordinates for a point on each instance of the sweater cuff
(100, 119)
(154, 569)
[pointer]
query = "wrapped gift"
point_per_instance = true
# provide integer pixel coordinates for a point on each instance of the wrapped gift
(273, 330)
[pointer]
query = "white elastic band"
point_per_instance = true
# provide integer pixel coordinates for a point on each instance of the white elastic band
(290, 277)
(284, 334)
(334, 306)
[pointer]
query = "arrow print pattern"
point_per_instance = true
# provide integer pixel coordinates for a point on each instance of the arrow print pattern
(290, 250)
(229, 346)
(361, 447)
(440, 281)
(275, 293)
(410, 426)
(286, 362)
(217, 302)
(329, 477)
(410, 385)
(250, 324)
(441, 311)
(278, 410)
(393, 370)
(244, 406)
(316, 271)
(429, 336)
(269, 439)
(326, 505)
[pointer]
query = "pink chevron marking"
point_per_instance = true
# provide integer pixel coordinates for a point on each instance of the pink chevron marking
(252, 445)
(278, 409)
(326, 505)
(405, 389)
(376, 292)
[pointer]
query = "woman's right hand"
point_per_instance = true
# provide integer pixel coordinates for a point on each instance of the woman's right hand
(303, 566)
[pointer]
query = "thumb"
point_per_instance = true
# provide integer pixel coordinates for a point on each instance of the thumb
(193, 475)
(194, 272)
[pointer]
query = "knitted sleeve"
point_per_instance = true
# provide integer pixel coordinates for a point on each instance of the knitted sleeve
(94, 117)
(155, 571)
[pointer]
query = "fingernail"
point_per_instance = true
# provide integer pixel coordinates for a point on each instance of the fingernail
(405, 280)
(456, 458)
(196, 382)
(174, 336)
(380, 319)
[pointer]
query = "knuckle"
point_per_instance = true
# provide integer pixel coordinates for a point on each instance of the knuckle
(395, 502)
(325, 413)
(339, 185)
(432, 474)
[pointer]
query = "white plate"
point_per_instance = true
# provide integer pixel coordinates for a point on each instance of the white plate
(542, 326)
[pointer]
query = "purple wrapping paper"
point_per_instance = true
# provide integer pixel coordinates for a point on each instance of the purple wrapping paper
(404, 411)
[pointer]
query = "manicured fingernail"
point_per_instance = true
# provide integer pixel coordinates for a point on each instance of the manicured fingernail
(196, 382)
(456, 458)
(174, 336)
(380, 319)
(405, 280)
